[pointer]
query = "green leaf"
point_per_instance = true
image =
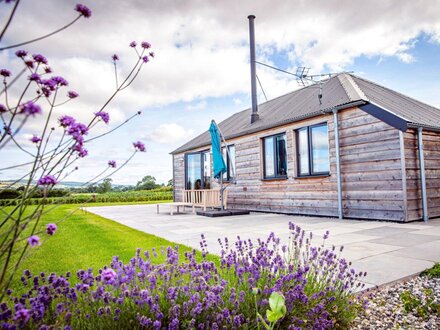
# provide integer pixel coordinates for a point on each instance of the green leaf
(276, 302)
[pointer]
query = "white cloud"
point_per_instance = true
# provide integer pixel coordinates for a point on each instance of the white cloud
(169, 134)
(199, 106)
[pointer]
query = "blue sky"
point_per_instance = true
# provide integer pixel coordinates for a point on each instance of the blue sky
(201, 69)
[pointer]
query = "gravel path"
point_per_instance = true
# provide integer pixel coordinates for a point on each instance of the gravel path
(386, 309)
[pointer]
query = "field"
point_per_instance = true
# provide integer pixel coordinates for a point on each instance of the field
(161, 194)
(83, 241)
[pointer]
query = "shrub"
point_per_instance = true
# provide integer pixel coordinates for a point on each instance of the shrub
(318, 289)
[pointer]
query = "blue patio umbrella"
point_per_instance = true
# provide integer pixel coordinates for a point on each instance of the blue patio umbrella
(219, 166)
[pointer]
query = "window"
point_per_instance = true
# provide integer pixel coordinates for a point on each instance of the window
(312, 150)
(275, 162)
(230, 162)
(198, 170)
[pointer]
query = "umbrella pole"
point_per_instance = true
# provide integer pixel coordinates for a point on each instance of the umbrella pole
(222, 207)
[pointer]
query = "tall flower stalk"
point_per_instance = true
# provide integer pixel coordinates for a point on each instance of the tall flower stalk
(57, 148)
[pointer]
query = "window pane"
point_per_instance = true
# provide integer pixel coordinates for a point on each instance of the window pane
(231, 165)
(193, 171)
(206, 170)
(269, 152)
(320, 159)
(225, 158)
(281, 155)
(303, 151)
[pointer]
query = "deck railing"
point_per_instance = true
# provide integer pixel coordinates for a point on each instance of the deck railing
(204, 197)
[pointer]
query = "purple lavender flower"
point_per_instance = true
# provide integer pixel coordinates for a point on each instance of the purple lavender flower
(145, 44)
(30, 108)
(3, 108)
(108, 276)
(83, 10)
(35, 139)
(327, 233)
(51, 228)
(5, 73)
(103, 115)
(133, 44)
(66, 121)
(47, 180)
(22, 315)
(145, 59)
(34, 240)
(21, 53)
(39, 58)
(112, 163)
(139, 146)
(72, 94)
(115, 57)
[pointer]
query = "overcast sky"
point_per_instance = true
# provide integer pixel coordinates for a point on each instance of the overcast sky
(201, 69)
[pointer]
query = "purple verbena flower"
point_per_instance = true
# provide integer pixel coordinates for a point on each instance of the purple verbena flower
(51, 228)
(83, 10)
(79, 148)
(5, 73)
(3, 108)
(72, 94)
(34, 240)
(112, 163)
(103, 115)
(30, 108)
(39, 58)
(35, 139)
(139, 146)
(77, 129)
(66, 121)
(152, 54)
(145, 59)
(145, 45)
(29, 64)
(47, 180)
(35, 77)
(47, 69)
(133, 44)
(60, 81)
(115, 57)
(21, 53)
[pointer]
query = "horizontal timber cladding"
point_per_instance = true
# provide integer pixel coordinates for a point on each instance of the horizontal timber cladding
(431, 146)
(179, 176)
(370, 165)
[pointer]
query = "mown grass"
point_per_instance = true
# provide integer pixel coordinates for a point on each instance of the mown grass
(85, 240)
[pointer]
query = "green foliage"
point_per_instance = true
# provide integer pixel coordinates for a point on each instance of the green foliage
(105, 186)
(422, 308)
(161, 194)
(276, 312)
(148, 182)
(9, 193)
(433, 272)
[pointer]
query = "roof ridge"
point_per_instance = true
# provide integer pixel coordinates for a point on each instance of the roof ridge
(412, 99)
(353, 91)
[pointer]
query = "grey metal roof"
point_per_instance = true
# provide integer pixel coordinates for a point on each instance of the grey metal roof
(341, 91)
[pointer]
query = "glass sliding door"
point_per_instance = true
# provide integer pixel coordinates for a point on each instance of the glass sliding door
(193, 166)
(206, 157)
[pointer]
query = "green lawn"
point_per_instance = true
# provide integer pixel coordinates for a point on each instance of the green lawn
(86, 240)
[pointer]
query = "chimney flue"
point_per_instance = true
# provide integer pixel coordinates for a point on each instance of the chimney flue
(254, 116)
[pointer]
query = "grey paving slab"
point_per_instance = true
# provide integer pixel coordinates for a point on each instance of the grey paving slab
(405, 239)
(385, 268)
(387, 251)
(429, 251)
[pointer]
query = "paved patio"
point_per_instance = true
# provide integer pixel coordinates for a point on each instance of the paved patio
(387, 251)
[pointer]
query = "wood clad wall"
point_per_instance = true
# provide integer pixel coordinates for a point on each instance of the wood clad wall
(179, 176)
(431, 145)
(370, 165)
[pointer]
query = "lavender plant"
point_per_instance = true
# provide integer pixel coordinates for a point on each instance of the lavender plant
(196, 293)
(57, 148)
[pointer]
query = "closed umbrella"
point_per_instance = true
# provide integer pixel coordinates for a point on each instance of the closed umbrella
(219, 166)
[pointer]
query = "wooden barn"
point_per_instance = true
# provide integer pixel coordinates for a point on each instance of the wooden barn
(350, 149)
